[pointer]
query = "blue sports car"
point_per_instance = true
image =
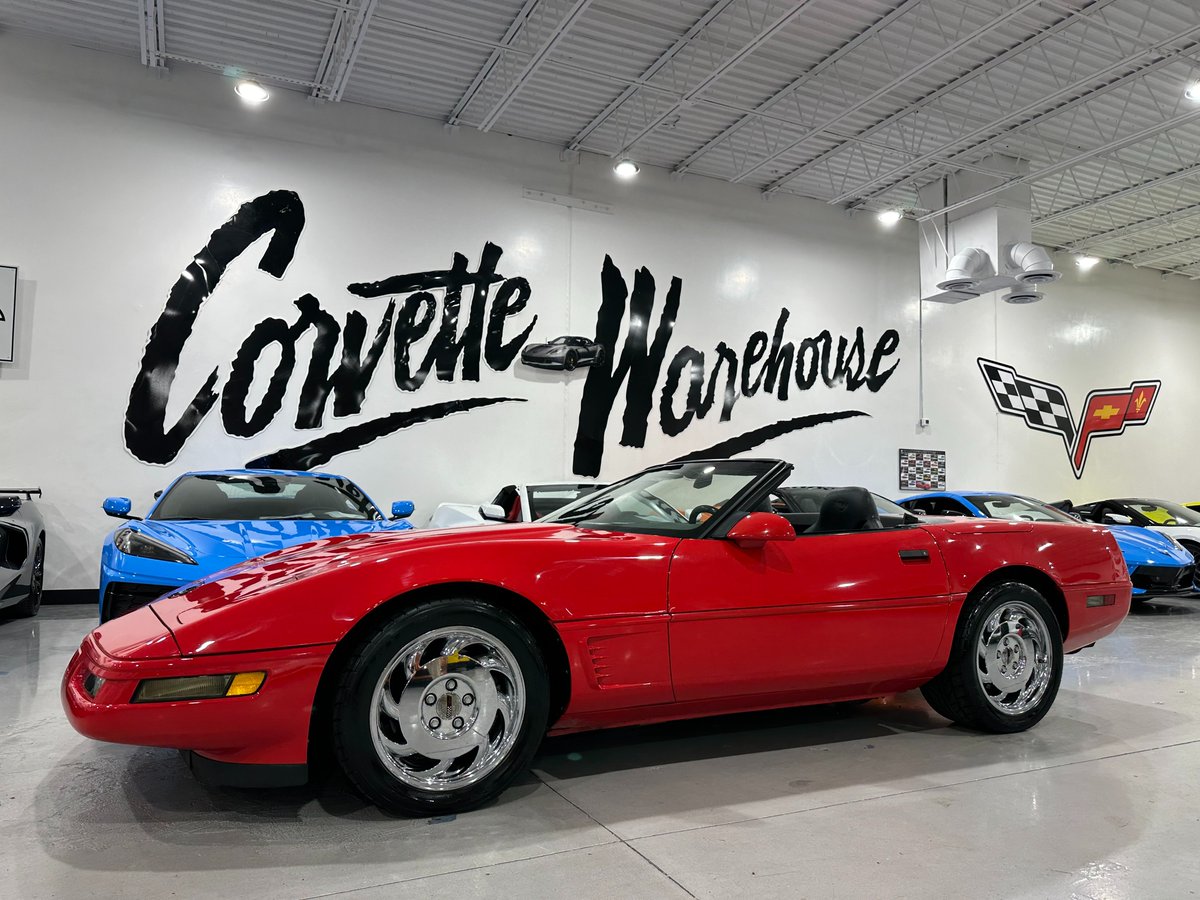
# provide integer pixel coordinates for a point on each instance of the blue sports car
(1158, 565)
(207, 521)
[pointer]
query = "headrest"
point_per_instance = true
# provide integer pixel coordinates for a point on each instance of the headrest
(848, 509)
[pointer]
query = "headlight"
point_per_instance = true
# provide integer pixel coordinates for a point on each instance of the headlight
(135, 543)
(1176, 544)
(198, 687)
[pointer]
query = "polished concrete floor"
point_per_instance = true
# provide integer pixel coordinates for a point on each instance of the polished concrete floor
(1102, 800)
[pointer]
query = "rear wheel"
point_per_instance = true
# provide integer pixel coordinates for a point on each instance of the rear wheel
(31, 604)
(1006, 665)
(442, 708)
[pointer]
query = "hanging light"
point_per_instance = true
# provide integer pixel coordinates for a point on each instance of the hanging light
(626, 169)
(252, 92)
(889, 217)
(1086, 262)
(1192, 91)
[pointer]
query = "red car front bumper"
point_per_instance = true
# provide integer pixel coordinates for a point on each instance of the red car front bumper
(269, 728)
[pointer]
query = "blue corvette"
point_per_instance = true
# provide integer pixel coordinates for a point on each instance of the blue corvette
(207, 521)
(1157, 563)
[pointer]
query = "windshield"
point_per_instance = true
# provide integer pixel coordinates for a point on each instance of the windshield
(547, 498)
(1008, 506)
(1164, 512)
(260, 497)
(558, 341)
(677, 500)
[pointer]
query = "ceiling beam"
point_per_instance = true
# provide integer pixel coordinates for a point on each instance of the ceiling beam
(1063, 165)
(886, 89)
(700, 24)
(846, 48)
(153, 34)
(1151, 184)
(1125, 231)
(709, 80)
(510, 35)
(1159, 252)
(1021, 118)
(345, 39)
(533, 64)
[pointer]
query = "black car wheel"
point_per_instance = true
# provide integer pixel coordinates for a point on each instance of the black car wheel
(1006, 663)
(442, 708)
(32, 603)
(571, 361)
(600, 357)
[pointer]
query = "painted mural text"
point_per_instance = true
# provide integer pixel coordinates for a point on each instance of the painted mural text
(450, 353)
(766, 363)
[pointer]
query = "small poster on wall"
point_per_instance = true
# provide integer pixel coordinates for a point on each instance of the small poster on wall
(8, 312)
(922, 470)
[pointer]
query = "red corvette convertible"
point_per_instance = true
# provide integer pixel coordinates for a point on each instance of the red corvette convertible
(435, 662)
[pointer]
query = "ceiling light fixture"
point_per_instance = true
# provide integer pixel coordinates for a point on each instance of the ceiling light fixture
(1086, 262)
(1192, 91)
(626, 169)
(252, 92)
(889, 217)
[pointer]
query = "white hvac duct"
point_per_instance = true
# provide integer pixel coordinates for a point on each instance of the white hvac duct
(1034, 262)
(966, 269)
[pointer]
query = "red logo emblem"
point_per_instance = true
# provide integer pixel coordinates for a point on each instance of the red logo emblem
(1044, 407)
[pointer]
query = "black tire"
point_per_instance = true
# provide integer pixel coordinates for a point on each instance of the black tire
(958, 692)
(353, 713)
(600, 357)
(571, 361)
(28, 608)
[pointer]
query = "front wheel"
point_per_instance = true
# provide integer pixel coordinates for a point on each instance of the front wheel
(1006, 664)
(571, 361)
(442, 708)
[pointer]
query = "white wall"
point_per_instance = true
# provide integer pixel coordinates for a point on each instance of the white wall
(111, 179)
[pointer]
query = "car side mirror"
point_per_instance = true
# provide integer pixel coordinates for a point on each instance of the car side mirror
(119, 507)
(1115, 519)
(493, 512)
(402, 509)
(756, 528)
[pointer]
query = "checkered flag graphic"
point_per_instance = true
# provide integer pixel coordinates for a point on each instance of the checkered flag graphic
(1043, 406)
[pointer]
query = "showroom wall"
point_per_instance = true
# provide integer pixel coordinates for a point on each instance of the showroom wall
(363, 310)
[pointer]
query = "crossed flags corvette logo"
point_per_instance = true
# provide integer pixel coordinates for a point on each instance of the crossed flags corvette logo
(1044, 407)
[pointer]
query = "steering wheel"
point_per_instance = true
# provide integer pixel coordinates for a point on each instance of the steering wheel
(661, 505)
(1170, 521)
(698, 511)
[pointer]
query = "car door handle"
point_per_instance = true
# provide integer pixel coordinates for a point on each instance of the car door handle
(914, 555)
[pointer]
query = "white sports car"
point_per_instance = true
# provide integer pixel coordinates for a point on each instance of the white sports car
(514, 503)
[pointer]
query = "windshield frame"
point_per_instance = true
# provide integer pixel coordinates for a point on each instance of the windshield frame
(771, 473)
(343, 485)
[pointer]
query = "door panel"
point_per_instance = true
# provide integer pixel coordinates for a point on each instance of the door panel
(810, 615)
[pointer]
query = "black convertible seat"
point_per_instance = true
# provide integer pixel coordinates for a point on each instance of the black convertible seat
(847, 509)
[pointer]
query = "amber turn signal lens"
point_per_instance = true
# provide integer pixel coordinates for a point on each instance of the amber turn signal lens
(246, 683)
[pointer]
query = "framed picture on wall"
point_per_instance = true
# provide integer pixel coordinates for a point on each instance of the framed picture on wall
(922, 470)
(8, 312)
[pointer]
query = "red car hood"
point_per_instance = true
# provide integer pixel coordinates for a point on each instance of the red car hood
(315, 593)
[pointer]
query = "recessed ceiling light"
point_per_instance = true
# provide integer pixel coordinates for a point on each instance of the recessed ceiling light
(889, 217)
(1192, 91)
(626, 169)
(1086, 262)
(252, 92)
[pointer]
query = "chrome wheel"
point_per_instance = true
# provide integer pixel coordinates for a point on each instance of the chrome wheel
(1014, 658)
(447, 709)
